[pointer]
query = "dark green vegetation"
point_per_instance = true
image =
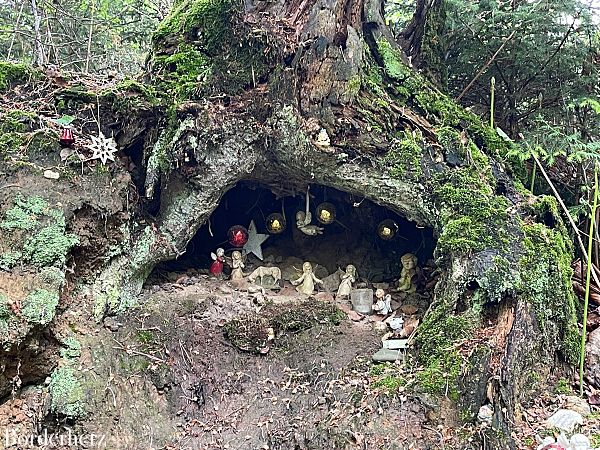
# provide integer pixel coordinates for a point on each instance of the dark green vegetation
(201, 48)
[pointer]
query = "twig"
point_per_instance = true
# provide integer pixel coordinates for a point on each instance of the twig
(485, 67)
(566, 211)
(9, 185)
(131, 351)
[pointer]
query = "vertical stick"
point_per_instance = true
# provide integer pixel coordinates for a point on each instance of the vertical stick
(493, 92)
(12, 39)
(37, 20)
(89, 43)
(588, 281)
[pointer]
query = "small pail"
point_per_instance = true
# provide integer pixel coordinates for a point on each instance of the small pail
(362, 300)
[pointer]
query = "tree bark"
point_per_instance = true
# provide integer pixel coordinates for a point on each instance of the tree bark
(258, 86)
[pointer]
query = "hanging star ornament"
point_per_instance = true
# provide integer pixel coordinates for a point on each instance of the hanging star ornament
(255, 241)
(104, 148)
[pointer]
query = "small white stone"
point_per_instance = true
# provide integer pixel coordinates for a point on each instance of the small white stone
(485, 414)
(52, 175)
(580, 442)
(565, 419)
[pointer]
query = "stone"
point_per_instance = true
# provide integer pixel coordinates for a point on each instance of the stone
(324, 297)
(225, 289)
(592, 358)
(395, 344)
(580, 442)
(565, 419)
(344, 307)
(240, 285)
(255, 289)
(332, 282)
(354, 316)
(387, 355)
(578, 404)
(485, 414)
(408, 309)
(50, 174)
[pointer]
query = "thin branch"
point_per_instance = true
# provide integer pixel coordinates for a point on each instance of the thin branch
(12, 40)
(485, 67)
(566, 211)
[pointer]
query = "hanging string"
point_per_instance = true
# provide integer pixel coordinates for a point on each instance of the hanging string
(210, 229)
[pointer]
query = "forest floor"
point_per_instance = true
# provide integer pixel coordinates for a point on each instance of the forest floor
(313, 386)
(170, 374)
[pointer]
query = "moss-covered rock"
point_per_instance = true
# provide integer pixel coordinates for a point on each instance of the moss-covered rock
(12, 73)
(198, 51)
(39, 306)
(66, 393)
(37, 232)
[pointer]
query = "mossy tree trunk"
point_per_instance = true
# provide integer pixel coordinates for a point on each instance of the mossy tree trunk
(312, 91)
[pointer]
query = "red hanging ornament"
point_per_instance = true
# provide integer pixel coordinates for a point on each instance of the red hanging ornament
(237, 235)
(66, 137)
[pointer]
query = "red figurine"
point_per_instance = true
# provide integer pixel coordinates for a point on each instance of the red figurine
(66, 137)
(238, 236)
(216, 268)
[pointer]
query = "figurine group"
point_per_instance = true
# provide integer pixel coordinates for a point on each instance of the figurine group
(306, 283)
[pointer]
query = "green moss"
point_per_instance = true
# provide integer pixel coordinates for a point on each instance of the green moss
(209, 17)
(404, 156)
(9, 259)
(188, 68)
(391, 384)
(563, 387)
(147, 91)
(67, 395)
(25, 214)
(49, 246)
(440, 331)
(11, 74)
(46, 242)
(440, 376)
(10, 143)
(71, 348)
(198, 50)
(39, 307)
(17, 121)
(395, 68)
(545, 281)
(146, 337)
(353, 86)
(473, 216)
(43, 143)
(51, 277)
(71, 99)
(5, 311)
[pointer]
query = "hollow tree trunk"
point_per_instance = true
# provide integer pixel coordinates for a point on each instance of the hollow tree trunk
(317, 91)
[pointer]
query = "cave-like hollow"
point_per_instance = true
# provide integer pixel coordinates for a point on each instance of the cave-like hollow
(353, 238)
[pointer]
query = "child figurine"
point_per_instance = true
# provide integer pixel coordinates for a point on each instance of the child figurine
(409, 272)
(237, 266)
(216, 268)
(346, 284)
(383, 304)
(308, 280)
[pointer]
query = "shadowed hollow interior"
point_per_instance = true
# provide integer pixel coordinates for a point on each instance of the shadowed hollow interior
(352, 238)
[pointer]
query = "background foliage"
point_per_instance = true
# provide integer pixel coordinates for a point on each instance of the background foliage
(85, 35)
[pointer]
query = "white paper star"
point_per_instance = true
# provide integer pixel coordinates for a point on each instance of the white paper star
(104, 148)
(255, 240)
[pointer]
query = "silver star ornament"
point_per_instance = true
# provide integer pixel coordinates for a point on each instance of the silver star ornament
(255, 240)
(104, 148)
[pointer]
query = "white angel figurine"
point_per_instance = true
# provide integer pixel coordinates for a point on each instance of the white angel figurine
(306, 283)
(346, 284)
